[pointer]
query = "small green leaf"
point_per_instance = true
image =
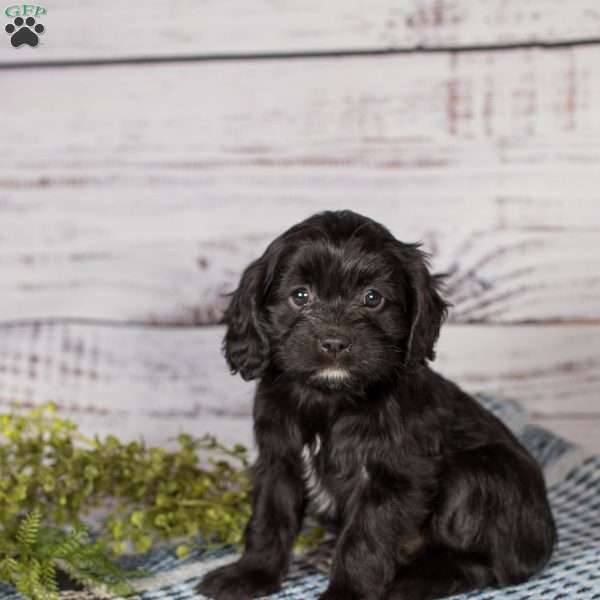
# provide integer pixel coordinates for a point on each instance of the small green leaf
(137, 518)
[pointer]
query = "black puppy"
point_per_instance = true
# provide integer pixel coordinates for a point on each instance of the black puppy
(433, 495)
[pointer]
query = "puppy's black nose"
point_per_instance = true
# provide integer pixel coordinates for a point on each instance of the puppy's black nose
(334, 345)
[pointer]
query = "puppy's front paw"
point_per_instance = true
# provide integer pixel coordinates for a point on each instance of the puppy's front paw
(237, 582)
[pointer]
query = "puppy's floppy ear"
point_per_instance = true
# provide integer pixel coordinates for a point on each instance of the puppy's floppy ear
(425, 306)
(246, 343)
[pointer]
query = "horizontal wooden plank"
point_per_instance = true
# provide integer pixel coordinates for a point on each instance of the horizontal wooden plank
(136, 381)
(145, 205)
(521, 109)
(96, 257)
(130, 381)
(551, 370)
(112, 29)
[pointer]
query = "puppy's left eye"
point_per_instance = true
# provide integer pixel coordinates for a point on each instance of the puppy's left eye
(373, 299)
(300, 297)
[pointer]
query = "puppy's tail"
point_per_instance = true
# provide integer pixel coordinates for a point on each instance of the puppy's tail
(438, 574)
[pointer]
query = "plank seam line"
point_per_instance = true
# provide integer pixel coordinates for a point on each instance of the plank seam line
(149, 324)
(298, 55)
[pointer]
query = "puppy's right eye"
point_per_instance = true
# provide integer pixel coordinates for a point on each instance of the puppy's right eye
(300, 297)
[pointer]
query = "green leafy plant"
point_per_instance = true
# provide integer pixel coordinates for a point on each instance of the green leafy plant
(31, 557)
(52, 477)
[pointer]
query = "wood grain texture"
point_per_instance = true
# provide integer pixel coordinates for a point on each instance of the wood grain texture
(144, 204)
(174, 265)
(112, 29)
(137, 381)
(129, 381)
(486, 110)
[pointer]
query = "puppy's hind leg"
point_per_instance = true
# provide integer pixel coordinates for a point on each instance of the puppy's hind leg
(439, 574)
(491, 526)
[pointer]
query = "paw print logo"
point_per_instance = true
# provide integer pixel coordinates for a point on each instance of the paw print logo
(24, 32)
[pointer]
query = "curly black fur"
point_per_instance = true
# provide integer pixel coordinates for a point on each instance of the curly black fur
(431, 493)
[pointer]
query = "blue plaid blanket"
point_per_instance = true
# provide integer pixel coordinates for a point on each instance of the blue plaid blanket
(573, 479)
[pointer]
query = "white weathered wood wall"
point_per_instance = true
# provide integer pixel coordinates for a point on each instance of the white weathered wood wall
(148, 155)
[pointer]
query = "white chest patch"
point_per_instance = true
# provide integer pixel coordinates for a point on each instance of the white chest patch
(321, 498)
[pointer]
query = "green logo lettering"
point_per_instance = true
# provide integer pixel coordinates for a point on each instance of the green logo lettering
(26, 9)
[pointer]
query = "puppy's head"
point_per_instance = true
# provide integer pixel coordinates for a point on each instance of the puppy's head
(335, 302)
